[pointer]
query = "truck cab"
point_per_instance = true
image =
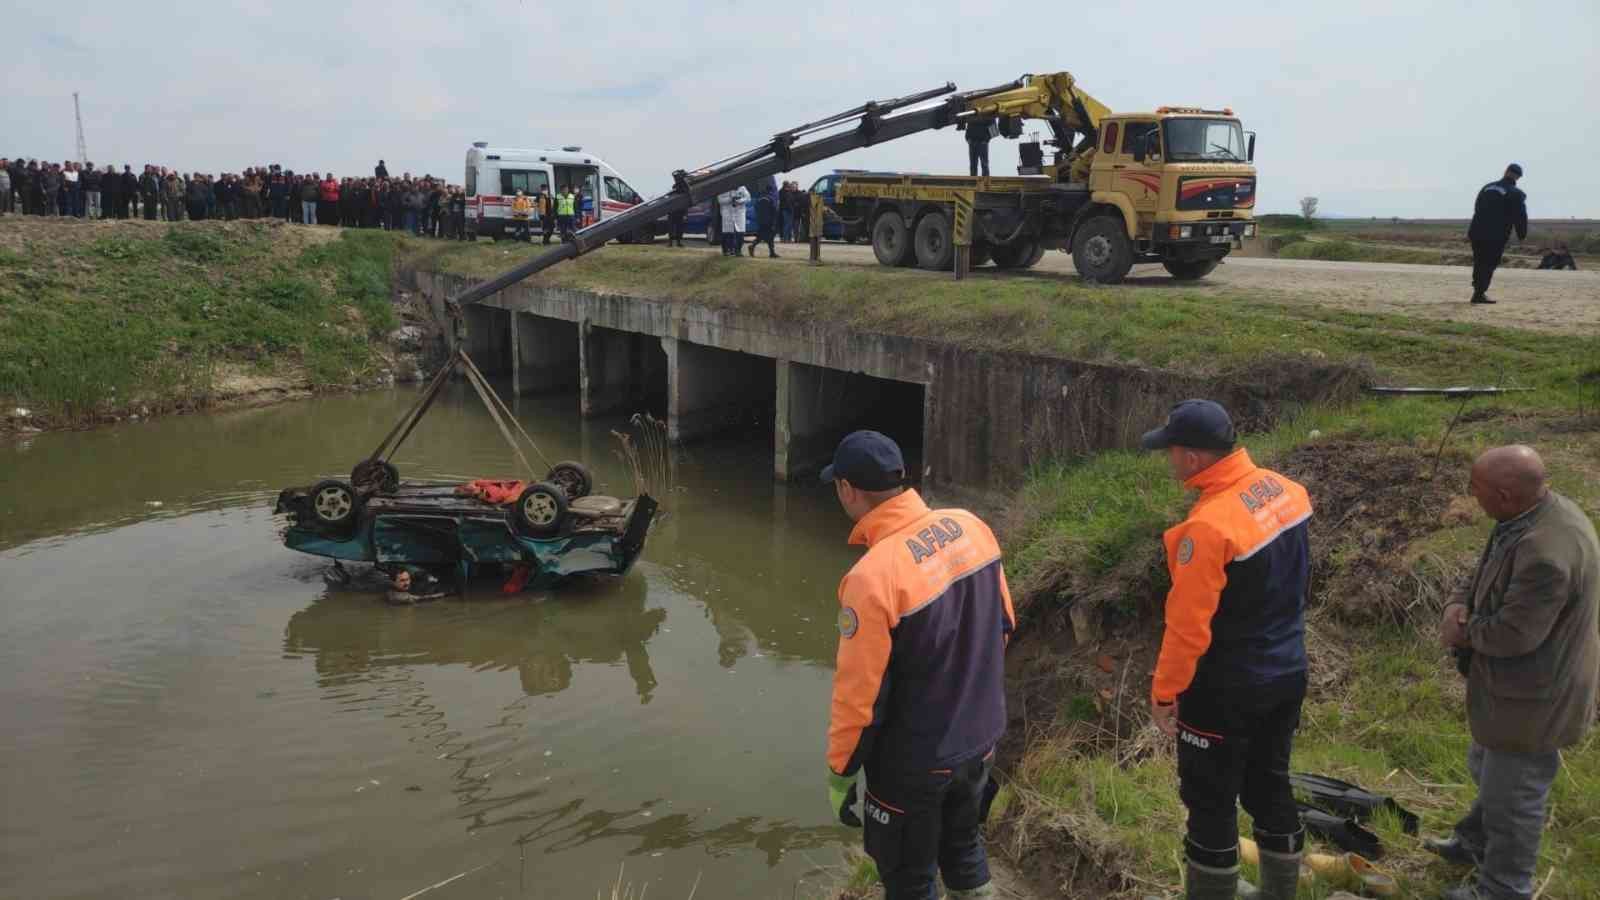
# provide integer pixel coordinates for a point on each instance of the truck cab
(1182, 183)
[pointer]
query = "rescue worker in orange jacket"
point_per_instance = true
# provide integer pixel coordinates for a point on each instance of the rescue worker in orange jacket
(918, 694)
(521, 211)
(1232, 671)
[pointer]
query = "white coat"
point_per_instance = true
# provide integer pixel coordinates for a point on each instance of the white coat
(733, 205)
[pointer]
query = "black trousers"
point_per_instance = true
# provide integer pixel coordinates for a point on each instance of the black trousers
(675, 228)
(977, 156)
(920, 825)
(1486, 257)
(1233, 748)
(150, 204)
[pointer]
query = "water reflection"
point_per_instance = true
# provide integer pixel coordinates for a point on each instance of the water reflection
(353, 637)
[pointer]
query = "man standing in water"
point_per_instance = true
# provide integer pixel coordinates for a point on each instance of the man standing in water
(1232, 671)
(918, 694)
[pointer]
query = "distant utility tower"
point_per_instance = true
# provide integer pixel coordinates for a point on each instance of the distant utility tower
(83, 149)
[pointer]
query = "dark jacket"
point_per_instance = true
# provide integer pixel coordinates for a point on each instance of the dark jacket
(1535, 631)
(1500, 207)
(149, 185)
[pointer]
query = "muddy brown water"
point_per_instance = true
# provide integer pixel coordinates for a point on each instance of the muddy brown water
(192, 710)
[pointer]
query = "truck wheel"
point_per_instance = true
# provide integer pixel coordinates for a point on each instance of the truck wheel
(1101, 251)
(1191, 269)
(540, 511)
(1033, 257)
(935, 249)
(891, 240)
(1015, 255)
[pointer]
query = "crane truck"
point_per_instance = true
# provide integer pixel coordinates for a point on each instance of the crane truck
(1036, 197)
(1174, 186)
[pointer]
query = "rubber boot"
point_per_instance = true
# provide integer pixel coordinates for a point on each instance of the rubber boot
(1207, 883)
(1280, 863)
(981, 892)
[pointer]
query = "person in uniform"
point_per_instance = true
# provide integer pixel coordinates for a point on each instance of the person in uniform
(1231, 675)
(918, 693)
(1500, 207)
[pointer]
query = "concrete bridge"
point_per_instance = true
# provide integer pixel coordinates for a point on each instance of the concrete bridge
(963, 416)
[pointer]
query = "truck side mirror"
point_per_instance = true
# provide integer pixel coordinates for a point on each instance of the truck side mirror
(1139, 148)
(1250, 151)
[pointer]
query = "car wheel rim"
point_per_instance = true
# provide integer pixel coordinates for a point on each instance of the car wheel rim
(540, 509)
(333, 503)
(1097, 250)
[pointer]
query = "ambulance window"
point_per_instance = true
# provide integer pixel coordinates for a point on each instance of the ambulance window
(617, 190)
(513, 180)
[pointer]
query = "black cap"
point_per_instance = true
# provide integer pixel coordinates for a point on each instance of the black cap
(869, 461)
(1515, 170)
(1201, 424)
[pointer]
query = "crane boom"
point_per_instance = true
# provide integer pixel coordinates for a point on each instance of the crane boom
(876, 122)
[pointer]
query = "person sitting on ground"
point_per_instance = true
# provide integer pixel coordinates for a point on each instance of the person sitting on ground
(1559, 257)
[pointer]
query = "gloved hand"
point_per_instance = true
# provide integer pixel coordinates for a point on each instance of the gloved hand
(842, 799)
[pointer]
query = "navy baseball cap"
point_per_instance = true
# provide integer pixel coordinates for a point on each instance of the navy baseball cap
(868, 460)
(1201, 424)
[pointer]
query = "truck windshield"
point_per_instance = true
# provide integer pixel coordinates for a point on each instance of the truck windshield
(1214, 139)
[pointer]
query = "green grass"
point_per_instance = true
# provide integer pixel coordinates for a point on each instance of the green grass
(1355, 251)
(145, 316)
(1201, 330)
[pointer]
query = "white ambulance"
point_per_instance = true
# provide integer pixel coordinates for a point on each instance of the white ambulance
(495, 174)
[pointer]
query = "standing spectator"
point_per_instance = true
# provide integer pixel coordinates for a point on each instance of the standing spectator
(1500, 207)
(586, 207)
(435, 208)
(130, 193)
(310, 190)
(521, 211)
(41, 199)
(89, 179)
(786, 212)
(675, 229)
(414, 202)
(566, 206)
(328, 203)
(278, 193)
(110, 193)
(150, 193)
(732, 205)
(5, 186)
(227, 197)
(545, 204)
(53, 196)
(766, 204)
(195, 196)
(72, 191)
(250, 195)
(458, 214)
(380, 171)
(1525, 636)
(172, 194)
(397, 206)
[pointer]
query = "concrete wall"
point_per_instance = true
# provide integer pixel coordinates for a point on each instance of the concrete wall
(545, 354)
(985, 417)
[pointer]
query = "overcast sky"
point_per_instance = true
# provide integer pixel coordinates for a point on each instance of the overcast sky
(1377, 108)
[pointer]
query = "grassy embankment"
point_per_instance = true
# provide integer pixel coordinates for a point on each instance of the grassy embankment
(99, 320)
(1091, 803)
(1430, 243)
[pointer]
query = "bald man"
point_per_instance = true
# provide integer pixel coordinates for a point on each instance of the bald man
(1527, 637)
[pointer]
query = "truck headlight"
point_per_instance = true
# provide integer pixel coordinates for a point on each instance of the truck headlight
(1186, 231)
(1250, 230)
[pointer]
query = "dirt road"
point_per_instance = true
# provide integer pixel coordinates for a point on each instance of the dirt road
(1545, 301)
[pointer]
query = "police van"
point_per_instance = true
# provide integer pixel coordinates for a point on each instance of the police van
(495, 174)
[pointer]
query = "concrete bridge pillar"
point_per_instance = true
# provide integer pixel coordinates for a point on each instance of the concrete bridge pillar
(817, 407)
(618, 370)
(488, 338)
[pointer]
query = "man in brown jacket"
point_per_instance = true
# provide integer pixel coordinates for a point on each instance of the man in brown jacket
(1527, 637)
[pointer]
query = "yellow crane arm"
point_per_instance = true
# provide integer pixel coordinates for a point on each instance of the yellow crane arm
(1056, 99)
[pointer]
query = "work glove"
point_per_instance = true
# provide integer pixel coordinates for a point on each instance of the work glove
(842, 799)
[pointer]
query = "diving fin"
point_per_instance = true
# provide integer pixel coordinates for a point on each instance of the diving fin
(1350, 800)
(1346, 834)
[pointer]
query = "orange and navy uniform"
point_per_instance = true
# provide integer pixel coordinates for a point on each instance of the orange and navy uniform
(924, 618)
(1240, 566)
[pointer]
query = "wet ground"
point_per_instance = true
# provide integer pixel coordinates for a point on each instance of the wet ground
(191, 710)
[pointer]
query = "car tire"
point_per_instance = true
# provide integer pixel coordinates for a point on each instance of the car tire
(334, 503)
(1189, 269)
(1101, 251)
(891, 240)
(540, 511)
(572, 477)
(375, 476)
(934, 242)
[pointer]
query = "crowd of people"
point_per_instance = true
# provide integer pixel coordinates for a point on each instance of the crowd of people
(776, 213)
(424, 206)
